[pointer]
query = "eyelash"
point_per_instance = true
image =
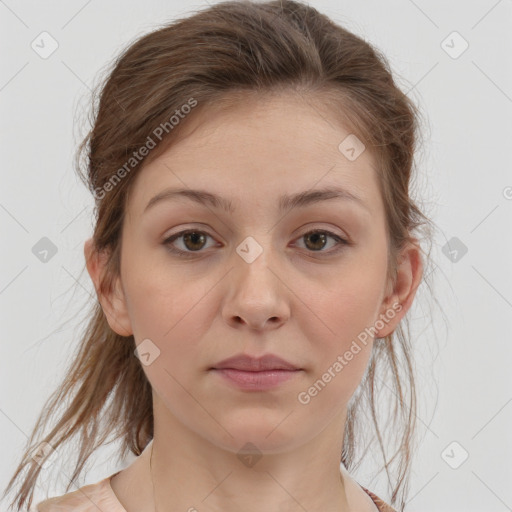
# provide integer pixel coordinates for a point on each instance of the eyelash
(341, 242)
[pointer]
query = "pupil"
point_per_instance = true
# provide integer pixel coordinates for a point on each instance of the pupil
(193, 237)
(316, 236)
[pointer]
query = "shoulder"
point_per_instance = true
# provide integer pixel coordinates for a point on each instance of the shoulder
(360, 498)
(97, 497)
(381, 505)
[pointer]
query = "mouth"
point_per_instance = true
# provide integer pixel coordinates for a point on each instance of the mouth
(256, 374)
(255, 380)
(267, 362)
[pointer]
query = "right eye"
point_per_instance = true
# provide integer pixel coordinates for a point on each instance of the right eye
(193, 241)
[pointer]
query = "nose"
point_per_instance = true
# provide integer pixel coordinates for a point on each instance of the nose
(256, 294)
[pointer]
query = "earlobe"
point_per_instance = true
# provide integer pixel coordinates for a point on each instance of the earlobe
(112, 301)
(408, 278)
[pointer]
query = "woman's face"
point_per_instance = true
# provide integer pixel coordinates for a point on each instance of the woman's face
(254, 279)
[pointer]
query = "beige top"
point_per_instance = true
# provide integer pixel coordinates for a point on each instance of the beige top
(100, 497)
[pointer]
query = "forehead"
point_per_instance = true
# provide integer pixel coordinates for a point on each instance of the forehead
(259, 148)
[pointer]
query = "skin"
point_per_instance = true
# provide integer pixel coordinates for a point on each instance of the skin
(290, 301)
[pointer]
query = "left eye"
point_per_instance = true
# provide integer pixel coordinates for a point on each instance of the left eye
(194, 241)
(317, 240)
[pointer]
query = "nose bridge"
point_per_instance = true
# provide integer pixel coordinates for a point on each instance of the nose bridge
(253, 261)
(256, 295)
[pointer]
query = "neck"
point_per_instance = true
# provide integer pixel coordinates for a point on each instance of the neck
(290, 491)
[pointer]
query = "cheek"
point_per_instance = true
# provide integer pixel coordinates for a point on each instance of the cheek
(340, 357)
(346, 308)
(174, 312)
(349, 300)
(160, 297)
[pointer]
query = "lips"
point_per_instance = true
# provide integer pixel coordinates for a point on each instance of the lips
(247, 363)
(256, 374)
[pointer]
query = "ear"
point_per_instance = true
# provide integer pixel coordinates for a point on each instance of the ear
(400, 298)
(113, 301)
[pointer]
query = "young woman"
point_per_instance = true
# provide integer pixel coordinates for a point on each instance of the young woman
(254, 255)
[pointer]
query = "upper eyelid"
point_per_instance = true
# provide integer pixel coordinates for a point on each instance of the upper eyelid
(206, 232)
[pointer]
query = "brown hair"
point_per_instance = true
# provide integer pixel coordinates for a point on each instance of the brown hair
(230, 48)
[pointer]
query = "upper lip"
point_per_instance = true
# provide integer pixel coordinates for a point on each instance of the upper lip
(255, 364)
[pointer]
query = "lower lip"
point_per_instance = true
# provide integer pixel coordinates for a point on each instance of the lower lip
(256, 381)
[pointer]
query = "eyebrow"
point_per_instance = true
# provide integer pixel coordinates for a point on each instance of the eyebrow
(286, 202)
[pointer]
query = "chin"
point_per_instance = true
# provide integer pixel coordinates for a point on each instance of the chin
(259, 433)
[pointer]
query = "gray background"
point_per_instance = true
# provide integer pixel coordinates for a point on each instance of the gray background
(464, 356)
